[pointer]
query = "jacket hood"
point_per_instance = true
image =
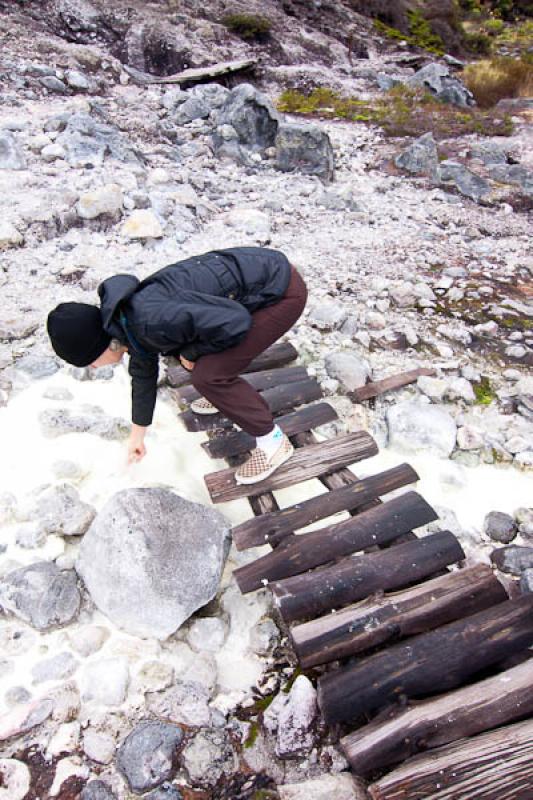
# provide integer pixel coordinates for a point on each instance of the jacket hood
(112, 293)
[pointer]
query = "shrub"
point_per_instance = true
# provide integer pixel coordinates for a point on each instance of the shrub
(478, 43)
(248, 26)
(494, 79)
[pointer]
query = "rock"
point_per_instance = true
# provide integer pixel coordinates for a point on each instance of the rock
(60, 511)
(20, 327)
(64, 740)
(53, 84)
(328, 316)
(15, 779)
(513, 559)
(56, 422)
(468, 183)
(30, 535)
(296, 718)
(327, 787)
(97, 790)
(88, 142)
(142, 224)
(63, 665)
(10, 236)
(41, 594)
(455, 334)
(53, 152)
(524, 518)
(514, 174)
(107, 199)
(469, 438)
(88, 639)
(208, 757)
(253, 117)
(250, 221)
(434, 388)
(489, 153)
(147, 757)
(16, 695)
(67, 768)
(420, 158)
(99, 746)
(155, 676)
(185, 703)
(264, 637)
(165, 792)
(23, 718)
(387, 82)
(416, 427)
(77, 80)
(339, 198)
(151, 558)
(16, 639)
(460, 389)
(403, 295)
(306, 149)
(349, 369)
(192, 108)
(207, 633)
(11, 155)
(436, 79)
(524, 460)
(106, 681)
(37, 366)
(526, 581)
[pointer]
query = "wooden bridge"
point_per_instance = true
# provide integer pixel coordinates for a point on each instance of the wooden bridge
(423, 663)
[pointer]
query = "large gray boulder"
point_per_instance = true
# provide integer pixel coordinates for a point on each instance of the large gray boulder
(304, 148)
(11, 155)
(349, 369)
(151, 558)
(421, 157)
(41, 594)
(467, 182)
(437, 80)
(417, 427)
(87, 142)
(246, 123)
(148, 756)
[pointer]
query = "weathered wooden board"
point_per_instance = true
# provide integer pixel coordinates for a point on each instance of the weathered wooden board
(193, 74)
(238, 442)
(265, 379)
(429, 663)
(279, 398)
(472, 709)
(322, 590)
(377, 526)
(387, 618)
(258, 531)
(493, 766)
(375, 388)
(279, 355)
(306, 463)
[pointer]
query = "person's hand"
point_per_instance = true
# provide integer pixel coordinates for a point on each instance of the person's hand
(136, 447)
(186, 363)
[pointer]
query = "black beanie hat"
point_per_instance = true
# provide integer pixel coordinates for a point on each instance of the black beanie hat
(77, 333)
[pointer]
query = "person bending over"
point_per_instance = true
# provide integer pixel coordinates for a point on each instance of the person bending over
(215, 312)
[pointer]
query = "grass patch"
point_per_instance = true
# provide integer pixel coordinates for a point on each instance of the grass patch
(249, 27)
(400, 112)
(494, 79)
(484, 391)
(420, 33)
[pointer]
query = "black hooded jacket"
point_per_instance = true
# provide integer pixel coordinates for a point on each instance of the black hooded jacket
(197, 306)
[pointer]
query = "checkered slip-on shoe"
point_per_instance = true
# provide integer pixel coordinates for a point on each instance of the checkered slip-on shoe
(258, 467)
(203, 406)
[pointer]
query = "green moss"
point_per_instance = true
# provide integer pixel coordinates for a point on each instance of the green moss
(252, 735)
(248, 26)
(288, 686)
(263, 703)
(420, 33)
(484, 391)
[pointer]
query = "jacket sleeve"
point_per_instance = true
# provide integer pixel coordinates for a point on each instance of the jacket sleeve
(144, 373)
(208, 324)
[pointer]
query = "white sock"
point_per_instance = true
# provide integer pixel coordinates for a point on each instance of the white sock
(271, 441)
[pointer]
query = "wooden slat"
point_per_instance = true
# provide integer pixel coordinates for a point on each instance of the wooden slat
(314, 593)
(265, 379)
(279, 398)
(238, 442)
(264, 529)
(193, 75)
(473, 709)
(429, 663)
(390, 617)
(304, 464)
(279, 355)
(387, 384)
(493, 766)
(376, 526)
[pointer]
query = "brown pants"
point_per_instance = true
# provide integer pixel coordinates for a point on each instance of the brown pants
(216, 376)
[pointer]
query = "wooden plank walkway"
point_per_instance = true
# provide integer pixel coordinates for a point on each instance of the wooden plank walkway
(407, 655)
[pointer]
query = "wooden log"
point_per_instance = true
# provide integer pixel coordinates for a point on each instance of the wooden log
(376, 526)
(238, 442)
(279, 398)
(473, 709)
(493, 766)
(306, 463)
(306, 596)
(266, 379)
(193, 75)
(390, 617)
(261, 530)
(387, 384)
(429, 663)
(279, 355)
